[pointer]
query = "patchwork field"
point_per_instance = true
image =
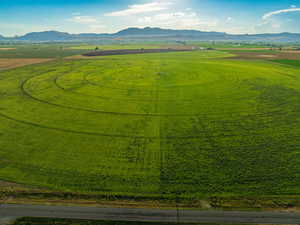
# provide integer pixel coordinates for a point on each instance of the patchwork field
(38, 51)
(13, 63)
(187, 124)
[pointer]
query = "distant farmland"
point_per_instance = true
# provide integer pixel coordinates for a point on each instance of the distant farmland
(187, 124)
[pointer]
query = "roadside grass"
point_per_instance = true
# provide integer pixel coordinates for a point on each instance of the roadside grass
(171, 126)
(48, 221)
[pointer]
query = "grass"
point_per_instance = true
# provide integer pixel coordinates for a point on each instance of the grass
(115, 47)
(176, 125)
(48, 221)
(295, 63)
(231, 45)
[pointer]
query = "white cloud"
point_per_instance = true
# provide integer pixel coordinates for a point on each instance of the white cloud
(177, 20)
(229, 19)
(141, 8)
(76, 13)
(270, 14)
(83, 19)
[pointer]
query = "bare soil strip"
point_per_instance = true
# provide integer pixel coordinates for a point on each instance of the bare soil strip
(16, 62)
(6, 49)
(134, 51)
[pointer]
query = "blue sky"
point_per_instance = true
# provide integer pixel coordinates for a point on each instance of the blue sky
(100, 16)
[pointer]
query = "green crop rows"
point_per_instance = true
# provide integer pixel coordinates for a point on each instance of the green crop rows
(191, 123)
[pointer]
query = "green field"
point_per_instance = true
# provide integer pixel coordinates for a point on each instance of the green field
(238, 45)
(116, 47)
(295, 63)
(192, 124)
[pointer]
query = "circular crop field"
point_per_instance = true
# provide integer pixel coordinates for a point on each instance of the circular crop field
(153, 125)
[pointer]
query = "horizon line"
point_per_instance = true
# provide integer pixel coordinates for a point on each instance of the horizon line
(143, 28)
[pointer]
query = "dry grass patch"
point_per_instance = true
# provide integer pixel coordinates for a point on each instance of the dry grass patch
(81, 57)
(293, 55)
(13, 63)
(6, 49)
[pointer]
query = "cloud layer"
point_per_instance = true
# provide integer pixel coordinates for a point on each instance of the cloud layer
(141, 8)
(178, 20)
(270, 14)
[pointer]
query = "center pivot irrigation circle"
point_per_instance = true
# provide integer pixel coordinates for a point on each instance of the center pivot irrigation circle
(72, 90)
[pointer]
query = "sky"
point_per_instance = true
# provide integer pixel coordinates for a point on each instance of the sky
(18, 17)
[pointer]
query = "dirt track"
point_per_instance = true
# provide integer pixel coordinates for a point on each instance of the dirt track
(133, 51)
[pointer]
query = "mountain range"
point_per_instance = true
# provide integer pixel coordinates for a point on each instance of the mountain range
(153, 34)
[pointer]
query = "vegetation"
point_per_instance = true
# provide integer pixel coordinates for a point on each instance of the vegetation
(115, 47)
(48, 221)
(295, 63)
(186, 125)
(229, 44)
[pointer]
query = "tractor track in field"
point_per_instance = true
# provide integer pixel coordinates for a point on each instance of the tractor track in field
(109, 98)
(116, 135)
(26, 93)
(103, 134)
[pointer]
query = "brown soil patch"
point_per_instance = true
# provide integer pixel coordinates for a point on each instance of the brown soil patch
(9, 184)
(293, 55)
(267, 56)
(80, 57)
(292, 51)
(6, 49)
(13, 63)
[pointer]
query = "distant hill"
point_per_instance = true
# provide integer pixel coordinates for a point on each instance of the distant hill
(163, 32)
(155, 34)
(45, 36)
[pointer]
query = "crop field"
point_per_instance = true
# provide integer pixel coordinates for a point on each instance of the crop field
(115, 46)
(229, 45)
(190, 124)
(38, 51)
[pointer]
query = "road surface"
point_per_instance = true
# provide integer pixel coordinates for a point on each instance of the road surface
(155, 215)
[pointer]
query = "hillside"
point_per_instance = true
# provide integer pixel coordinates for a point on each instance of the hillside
(156, 34)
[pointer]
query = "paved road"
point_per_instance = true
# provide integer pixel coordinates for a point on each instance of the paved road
(155, 215)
